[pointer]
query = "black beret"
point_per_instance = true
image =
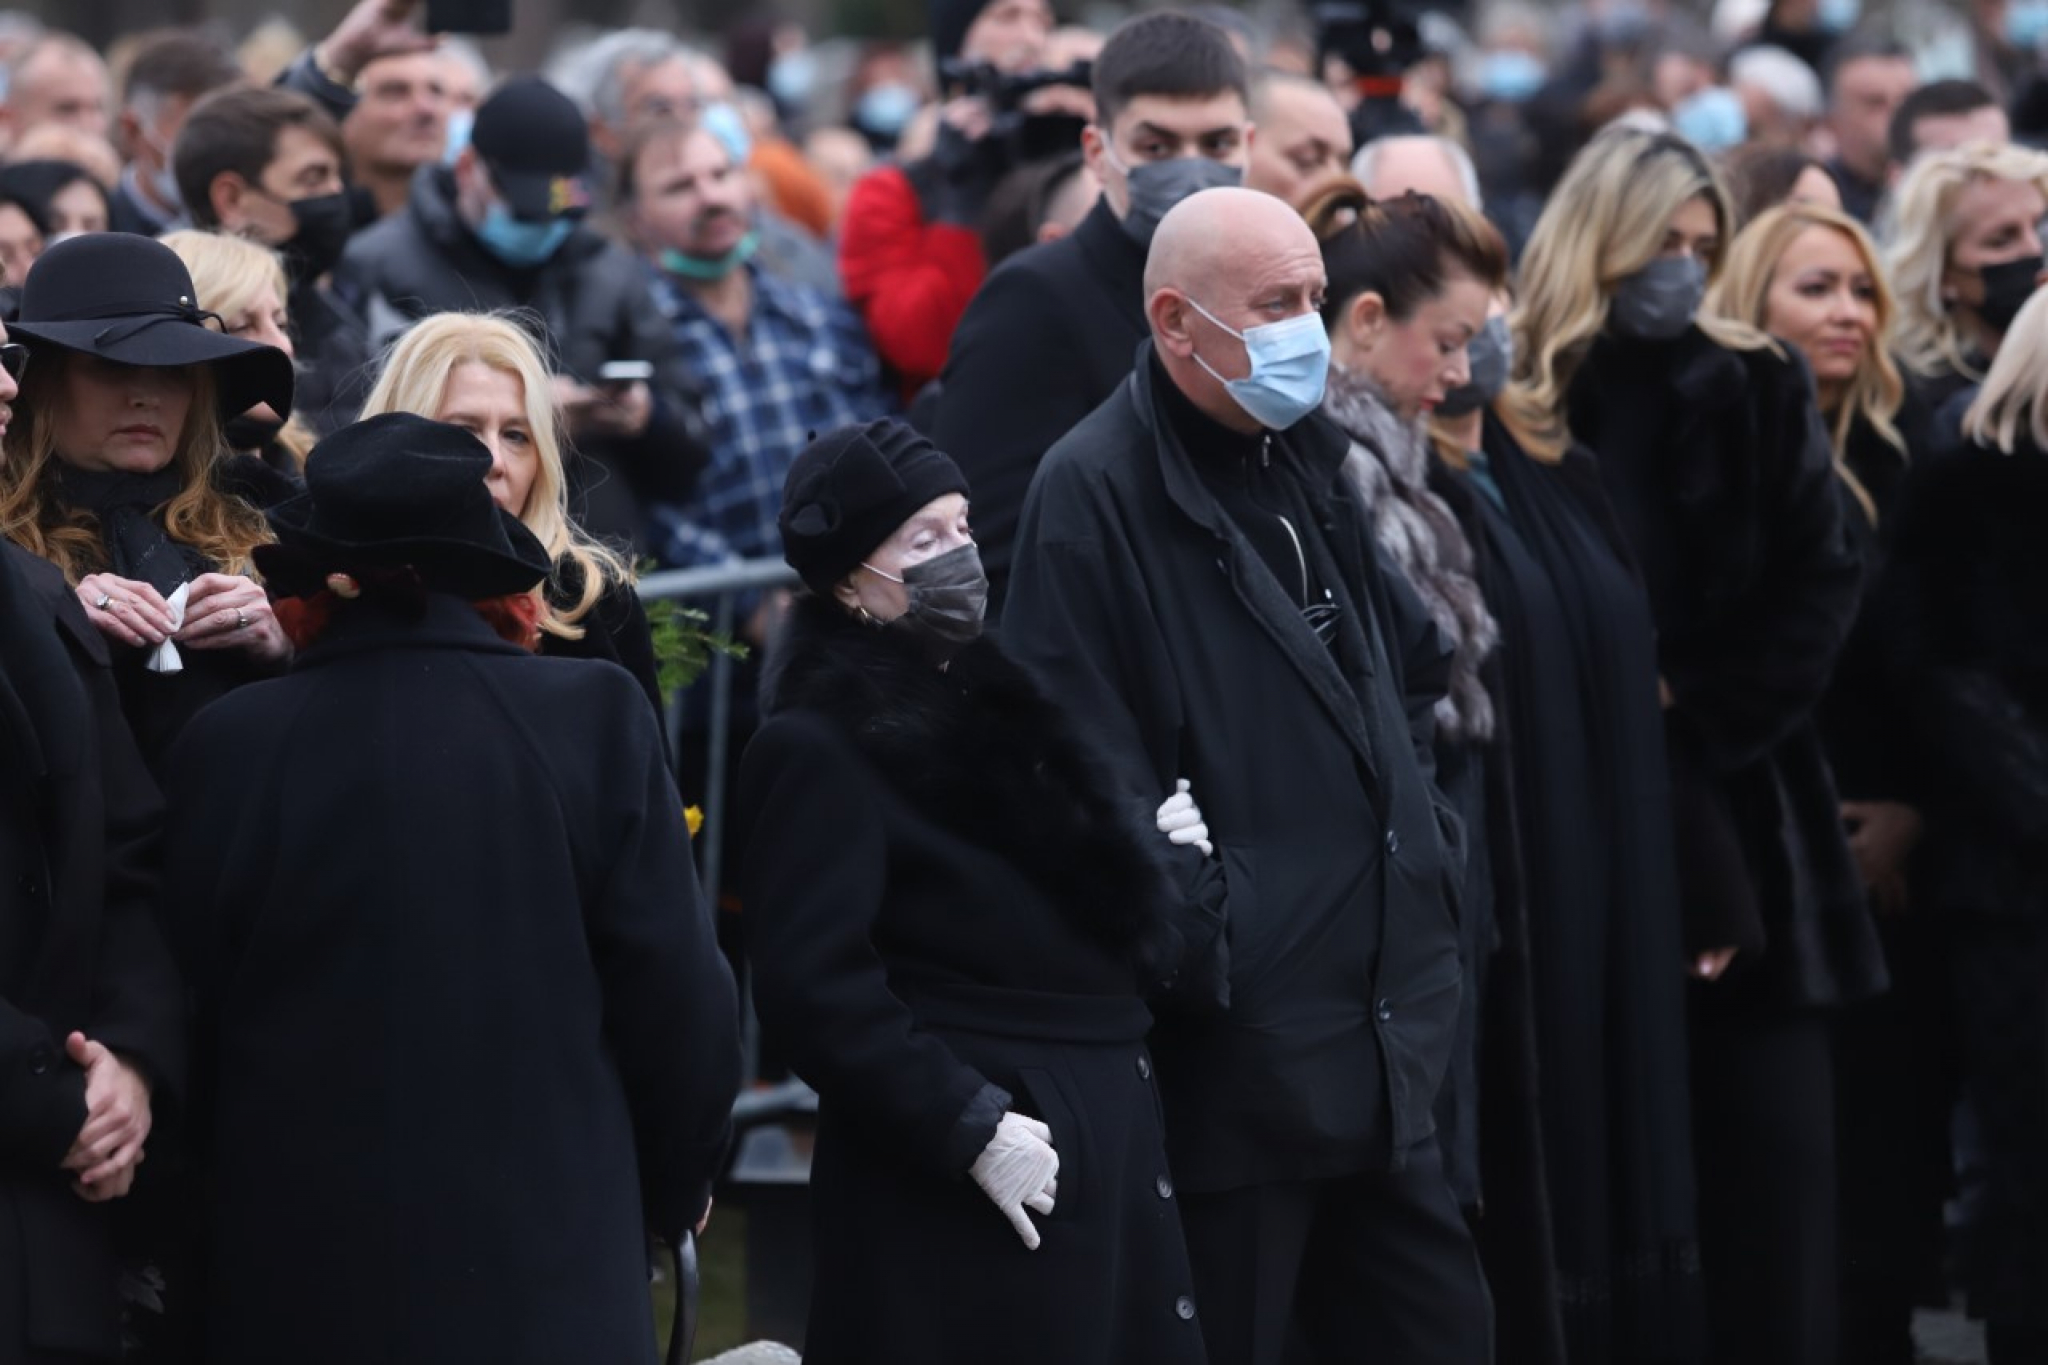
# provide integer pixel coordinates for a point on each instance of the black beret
(848, 492)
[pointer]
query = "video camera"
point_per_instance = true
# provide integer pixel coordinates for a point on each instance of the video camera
(1379, 40)
(1024, 136)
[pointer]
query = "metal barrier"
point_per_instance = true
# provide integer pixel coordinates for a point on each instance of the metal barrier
(718, 586)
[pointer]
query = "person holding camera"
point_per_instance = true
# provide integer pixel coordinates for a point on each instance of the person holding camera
(910, 241)
(502, 228)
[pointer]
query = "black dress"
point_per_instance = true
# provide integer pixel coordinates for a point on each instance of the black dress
(1600, 947)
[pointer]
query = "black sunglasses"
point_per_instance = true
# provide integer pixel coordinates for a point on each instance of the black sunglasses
(14, 360)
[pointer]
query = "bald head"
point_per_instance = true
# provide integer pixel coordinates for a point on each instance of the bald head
(1248, 260)
(1390, 167)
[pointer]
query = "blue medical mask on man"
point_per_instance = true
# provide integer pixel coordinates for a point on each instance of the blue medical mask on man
(520, 244)
(1290, 363)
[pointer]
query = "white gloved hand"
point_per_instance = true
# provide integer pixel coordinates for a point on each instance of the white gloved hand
(1180, 820)
(1018, 1170)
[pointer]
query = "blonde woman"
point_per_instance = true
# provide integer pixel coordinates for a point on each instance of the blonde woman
(111, 473)
(1965, 256)
(1811, 277)
(1966, 592)
(484, 373)
(1710, 448)
(244, 284)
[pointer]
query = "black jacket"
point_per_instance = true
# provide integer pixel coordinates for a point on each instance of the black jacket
(335, 368)
(950, 916)
(1963, 601)
(435, 896)
(79, 949)
(1045, 341)
(593, 301)
(1155, 619)
(1723, 480)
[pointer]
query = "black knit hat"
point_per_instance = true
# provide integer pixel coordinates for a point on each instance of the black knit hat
(848, 492)
(397, 491)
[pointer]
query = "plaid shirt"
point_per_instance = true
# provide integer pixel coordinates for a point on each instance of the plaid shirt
(805, 367)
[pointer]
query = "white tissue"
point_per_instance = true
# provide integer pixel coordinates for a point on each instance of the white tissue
(164, 658)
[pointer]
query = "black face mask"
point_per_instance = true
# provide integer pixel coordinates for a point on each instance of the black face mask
(2007, 287)
(246, 433)
(947, 596)
(325, 222)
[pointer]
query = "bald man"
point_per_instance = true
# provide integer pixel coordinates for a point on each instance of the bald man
(1304, 138)
(1390, 167)
(59, 79)
(1195, 582)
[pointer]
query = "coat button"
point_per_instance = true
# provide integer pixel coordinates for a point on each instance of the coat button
(1393, 843)
(1184, 1308)
(39, 1058)
(1164, 1184)
(1144, 1068)
(1384, 1010)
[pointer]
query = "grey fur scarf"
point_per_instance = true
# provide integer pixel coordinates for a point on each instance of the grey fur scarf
(1389, 466)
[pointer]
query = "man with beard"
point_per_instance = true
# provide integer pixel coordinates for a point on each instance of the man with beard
(1195, 578)
(1051, 334)
(266, 164)
(502, 227)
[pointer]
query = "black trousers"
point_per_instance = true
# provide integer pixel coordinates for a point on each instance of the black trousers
(1374, 1267)
(1764, 1144)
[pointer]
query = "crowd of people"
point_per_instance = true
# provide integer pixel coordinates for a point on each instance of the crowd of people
(1412, 721)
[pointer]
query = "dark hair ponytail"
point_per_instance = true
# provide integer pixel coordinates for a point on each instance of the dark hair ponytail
(1405, 250)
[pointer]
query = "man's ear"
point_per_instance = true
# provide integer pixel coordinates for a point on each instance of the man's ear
(225, 196)
(1167, 311)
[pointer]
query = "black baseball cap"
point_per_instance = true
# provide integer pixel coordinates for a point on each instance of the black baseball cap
(533, 139)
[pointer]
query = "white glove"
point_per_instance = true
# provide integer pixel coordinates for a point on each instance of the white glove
(1180, 820)
(1018, 1170)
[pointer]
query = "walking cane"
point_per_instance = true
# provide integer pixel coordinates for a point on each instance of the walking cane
(682, 1338)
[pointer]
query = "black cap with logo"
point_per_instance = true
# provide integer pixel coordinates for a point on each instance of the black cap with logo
(536, 145)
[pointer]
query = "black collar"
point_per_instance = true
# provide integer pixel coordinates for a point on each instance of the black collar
(446, 622)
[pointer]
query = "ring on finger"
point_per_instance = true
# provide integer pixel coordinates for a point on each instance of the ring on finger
(105, 598)
(241, 618)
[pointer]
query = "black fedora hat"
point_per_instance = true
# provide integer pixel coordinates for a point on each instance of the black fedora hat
(130, 300)
(397, 491)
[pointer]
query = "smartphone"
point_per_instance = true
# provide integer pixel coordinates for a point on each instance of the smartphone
(623, 372)
(469, 16)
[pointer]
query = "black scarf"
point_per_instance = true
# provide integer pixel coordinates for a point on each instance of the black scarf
(126, 505)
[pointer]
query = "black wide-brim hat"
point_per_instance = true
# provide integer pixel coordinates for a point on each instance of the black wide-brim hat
(129, 299)
(394, 492)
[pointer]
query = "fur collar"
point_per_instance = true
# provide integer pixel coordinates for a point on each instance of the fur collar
(1389, 464)
(978, 750)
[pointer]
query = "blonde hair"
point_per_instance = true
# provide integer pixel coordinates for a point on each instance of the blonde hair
(1606, 220)
(35, 516)
(415, 378)
(227, 274)
(2016, 390)
(1923, 230)
(1743, 293)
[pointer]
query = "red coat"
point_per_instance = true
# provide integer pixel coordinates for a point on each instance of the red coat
(909, 277)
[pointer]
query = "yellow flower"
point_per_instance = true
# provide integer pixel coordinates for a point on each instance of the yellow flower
(693, 816)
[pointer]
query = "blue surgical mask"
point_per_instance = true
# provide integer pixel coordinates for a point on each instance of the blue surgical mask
(792, 77)
(1839, 16)
(519, 244)
(713, 268)
(2026, 24)
(1156, 186)
(885, 110)
(1290, 364)
(1510, 76)
(723, 122)
(461, 122)
(1713, 120)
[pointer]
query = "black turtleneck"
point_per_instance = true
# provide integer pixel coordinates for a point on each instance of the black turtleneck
(1251, 479)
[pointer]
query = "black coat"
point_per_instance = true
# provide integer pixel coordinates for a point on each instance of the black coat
(1156, 620)
(593, 301)
(1047, 338)
(615, 629)
(949, 916)
(1724, 482)
(79, 949)
(464, 1031)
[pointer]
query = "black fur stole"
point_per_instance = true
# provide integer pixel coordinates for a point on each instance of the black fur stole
(979, 750)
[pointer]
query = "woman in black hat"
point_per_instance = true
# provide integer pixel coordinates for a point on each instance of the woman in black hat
(463, 1029)
(951, 922)
(113, 472)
